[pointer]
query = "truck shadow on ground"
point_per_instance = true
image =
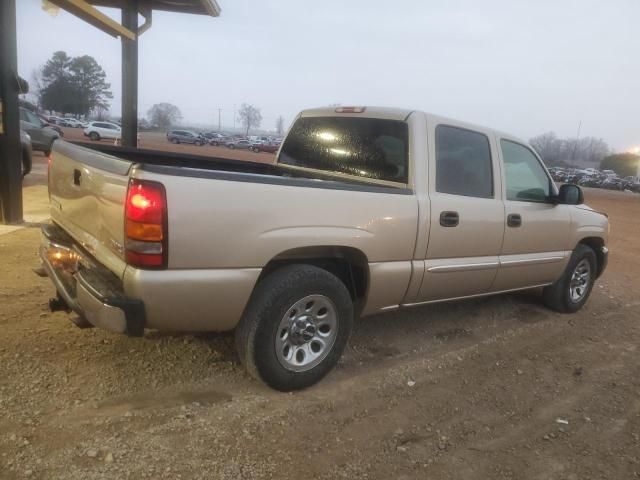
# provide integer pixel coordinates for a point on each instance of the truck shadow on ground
(384, 338)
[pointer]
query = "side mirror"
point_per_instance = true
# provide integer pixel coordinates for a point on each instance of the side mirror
(570, 194)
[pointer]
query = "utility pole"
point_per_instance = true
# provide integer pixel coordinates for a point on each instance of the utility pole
(10, 86)
(130, 76)
(219, 120)
(234, 118)
(575, 145)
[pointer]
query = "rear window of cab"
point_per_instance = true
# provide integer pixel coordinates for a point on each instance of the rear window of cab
(371, 148)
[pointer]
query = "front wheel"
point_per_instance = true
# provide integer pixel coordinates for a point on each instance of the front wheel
(94, 136)
(295, 328)
(571, 291)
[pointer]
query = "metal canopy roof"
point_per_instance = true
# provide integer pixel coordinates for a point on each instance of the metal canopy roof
(198, 7)
(85, 10)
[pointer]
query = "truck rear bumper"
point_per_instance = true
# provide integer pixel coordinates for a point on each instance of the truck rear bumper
(90, 290)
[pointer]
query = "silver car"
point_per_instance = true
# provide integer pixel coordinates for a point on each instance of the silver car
(42, 137)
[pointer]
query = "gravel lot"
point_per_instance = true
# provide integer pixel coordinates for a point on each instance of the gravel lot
(496, 388)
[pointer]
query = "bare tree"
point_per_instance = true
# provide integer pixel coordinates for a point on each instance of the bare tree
(164, 115)
(585, 151)
(250, 116)
(547, 146)
(280, 125)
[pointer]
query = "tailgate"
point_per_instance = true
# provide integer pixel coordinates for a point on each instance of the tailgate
(88, 190)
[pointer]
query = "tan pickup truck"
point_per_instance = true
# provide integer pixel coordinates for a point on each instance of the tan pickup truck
(365, 210)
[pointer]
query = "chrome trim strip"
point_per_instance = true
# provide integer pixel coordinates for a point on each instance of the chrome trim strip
(389, 307)
(462, 267)
(486, 294)
(530, 261)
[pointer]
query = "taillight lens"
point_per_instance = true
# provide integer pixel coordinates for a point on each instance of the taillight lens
(146, 224)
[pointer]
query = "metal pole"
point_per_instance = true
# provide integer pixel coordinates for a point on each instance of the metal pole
(219, 120)
(10, 149)
(130, 76)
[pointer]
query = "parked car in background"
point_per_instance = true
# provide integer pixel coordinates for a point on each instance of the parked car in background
(631, 183)
(25, 143)
(52, 119)
(216, 139)
(240, 144)
(99, 130)
(73, 123)
(42, 137)
(45, 122)
(186, 136)
(269, 147)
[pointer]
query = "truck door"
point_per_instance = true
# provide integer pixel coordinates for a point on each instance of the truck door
(535, 248)
(467, 213)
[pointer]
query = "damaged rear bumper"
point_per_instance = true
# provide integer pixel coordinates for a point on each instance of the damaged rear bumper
(87, 288)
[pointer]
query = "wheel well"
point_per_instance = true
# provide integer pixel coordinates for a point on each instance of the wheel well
(349, 264)
(595, 244)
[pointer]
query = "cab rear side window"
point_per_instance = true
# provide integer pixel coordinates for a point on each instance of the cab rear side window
(463, 162)
(372, 148)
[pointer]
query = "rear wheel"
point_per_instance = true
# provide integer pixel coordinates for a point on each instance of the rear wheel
(26, 162)
(95, 136)
(175, 141)
(47, 152)
(215, 144)
(571, 291)
(198, 143)
(295, 328)
(232, 146)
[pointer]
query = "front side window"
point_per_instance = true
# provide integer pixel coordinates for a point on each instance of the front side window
(526, 180)
(372, 148)
(30, 117)
(463, 162)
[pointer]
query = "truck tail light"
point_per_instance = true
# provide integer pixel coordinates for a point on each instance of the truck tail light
(146, 225)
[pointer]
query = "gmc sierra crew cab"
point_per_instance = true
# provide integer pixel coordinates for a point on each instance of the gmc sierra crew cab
(364, 210)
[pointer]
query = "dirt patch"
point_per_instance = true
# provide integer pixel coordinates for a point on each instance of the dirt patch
(497, 388)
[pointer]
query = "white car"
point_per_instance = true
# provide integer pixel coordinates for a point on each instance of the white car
(99, 130)
(73, 123)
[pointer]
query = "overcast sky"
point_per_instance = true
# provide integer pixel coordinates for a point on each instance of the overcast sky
(518, 65)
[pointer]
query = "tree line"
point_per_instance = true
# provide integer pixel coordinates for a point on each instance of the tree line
(78, 86)
(560, 152)
(583, 152)
(75, 85)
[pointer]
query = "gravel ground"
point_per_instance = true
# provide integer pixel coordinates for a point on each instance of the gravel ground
(496, 388)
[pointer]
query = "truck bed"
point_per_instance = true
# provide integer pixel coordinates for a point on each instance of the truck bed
(189, 165)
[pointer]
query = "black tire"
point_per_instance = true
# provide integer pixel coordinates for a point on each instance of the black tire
(95, 136)
(269, 303)
(47, 152)
(198, 143)
(558, 295)
(232, 146)
(26, 163)
(215, 144)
